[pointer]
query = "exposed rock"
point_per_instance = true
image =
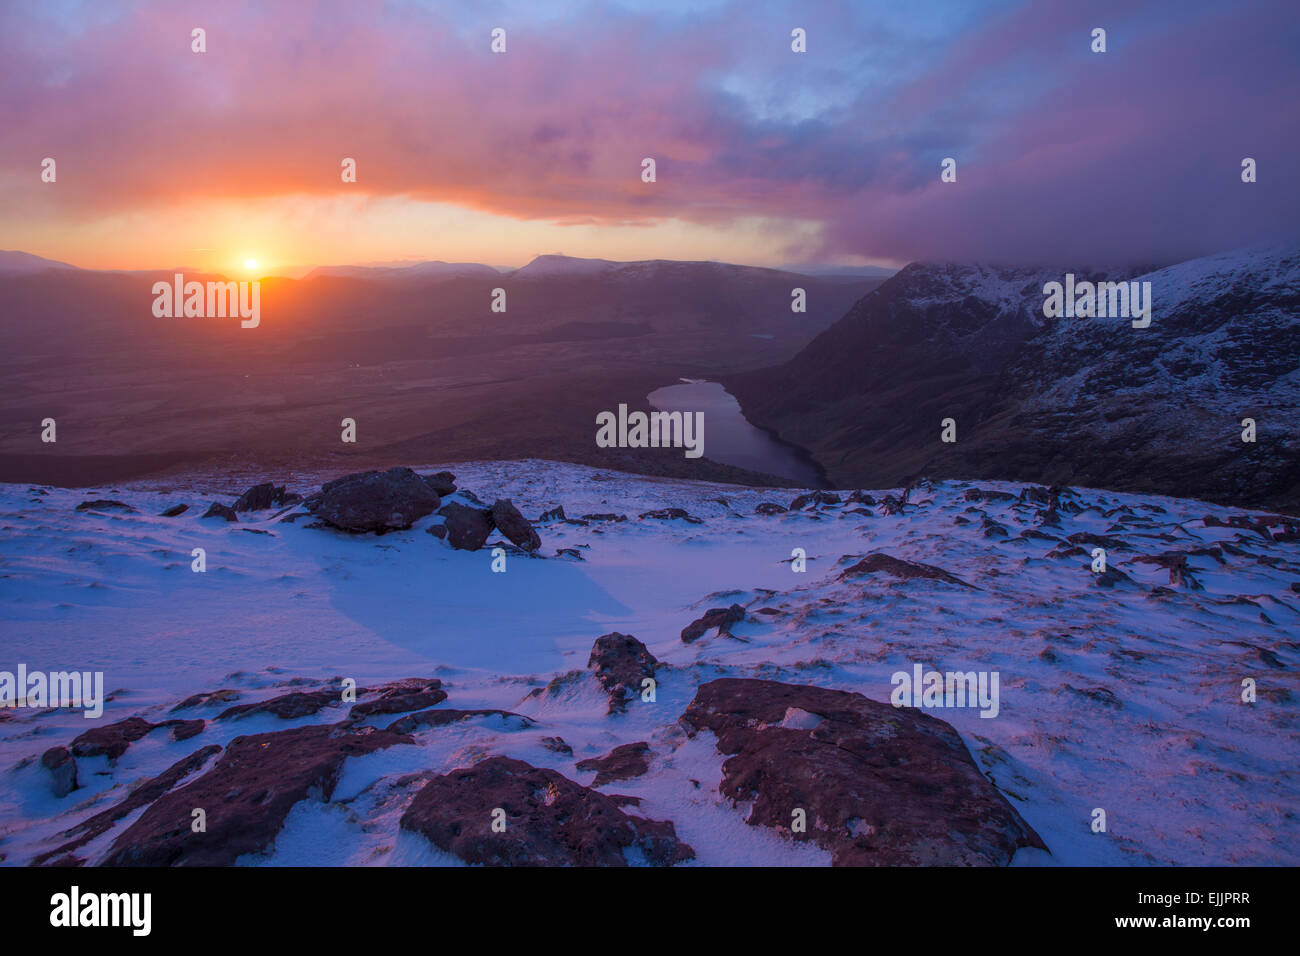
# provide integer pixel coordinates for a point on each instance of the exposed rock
(572, 553)
(1111, 577)
(862, 498)
(246, 796)
(604, 517)
(62, 768)
(621, 663)
(142, 795)
(223, 695)
(111, 740)
(440, 718)
(173, 511)
(770, 508)
(669, 514)
(550, 820)
(442, 482)
(878, 785)
(286, 706)
(218, 510)
(185, 729)
(105, 504)
(879, 562)
(621, 763)
(266, 495)
(816, 498)
(403, 697)
(720, 617)
(467, 528)
(557, 745)
(512, 524)
(892, 506)
(374, 501)
(987, 494)
(555, 514)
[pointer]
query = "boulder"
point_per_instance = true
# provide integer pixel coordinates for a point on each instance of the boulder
(173, 511)
(621, 763)
(246, 797)
(881, 563)
(105, 504)
(550, 820)
(62, 769)
(442, 482)
(620, 663)
(720, 617)
(449, 715)
(286, 706)
(111, 740)
(878, 785)
(671, 514)
(816, 498)
(218, 510)
(376, 501)
(511, 523)
(266, 495)
(770, 508)
(466, 528)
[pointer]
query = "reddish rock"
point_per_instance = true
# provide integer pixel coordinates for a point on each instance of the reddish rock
(550, 820)
(881, 563)
(374, 501)
(111, 740)
(621, 763)
(449, 715)
(246, 797)
(620, 663)
(286, 706)
(720, 617)
(403, 697)
(878, 785)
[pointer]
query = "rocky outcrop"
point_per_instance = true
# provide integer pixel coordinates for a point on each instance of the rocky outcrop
(105, 504)
(877, 785)
(374, 501)
(402, 697)
(620, 663)
(245, 797)
(517, 529)
(173, 511)
(466, 528)
(62, 768)
(442, 482)
(881, 563)
(672, 514)
(266, 495)
(720, 617)
(549, 820)
(218, 510)
(286, 706)
(621, 763)
(426, 719)
(112, 740)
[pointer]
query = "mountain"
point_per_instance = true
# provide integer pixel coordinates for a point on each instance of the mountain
(417, 270)
(1087, 401)
(13, 262)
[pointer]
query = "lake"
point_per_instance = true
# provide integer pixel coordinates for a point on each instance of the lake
(730, 439)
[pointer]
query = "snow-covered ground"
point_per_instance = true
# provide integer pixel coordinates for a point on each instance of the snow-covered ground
(1124, 698)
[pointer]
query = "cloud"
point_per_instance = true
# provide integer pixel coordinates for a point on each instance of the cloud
(1061, 153)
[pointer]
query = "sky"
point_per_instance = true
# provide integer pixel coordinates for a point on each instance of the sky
(167, 157)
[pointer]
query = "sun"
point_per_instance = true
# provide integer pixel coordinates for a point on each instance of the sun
(250, 263)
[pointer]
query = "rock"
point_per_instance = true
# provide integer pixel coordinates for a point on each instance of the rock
(286, 706)
(862, 498)
(878, 785)
(720, 617)
(892, 506)
(1111, 577)
(223, 695)
(105, 504)
(770, 508)
(448, 715)
(604, 517)
(467, 528)
(555, 514)
(550, 820)
(442, 482)
(266, 495)
(439, 531)
(620, 663)
(111, 740)
(512, 524)
(402, 698)
(987, 494)
(557, 745)
(246, 797)
(142, 795)
(621, 763)
(572, 553)
(374, 501)
(817, 499)
(173, 511)
(669, 514)
(218, 510)
(1101, 695)
(185, 729)
(882, 563)
(992, 529)
(63, 770)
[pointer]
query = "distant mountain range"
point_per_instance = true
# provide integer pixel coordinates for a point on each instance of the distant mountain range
(18, 263)
(1087, 401)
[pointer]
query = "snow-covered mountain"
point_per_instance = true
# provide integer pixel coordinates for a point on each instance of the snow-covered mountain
(1069, 399)
(1120, 690)
(433, 269)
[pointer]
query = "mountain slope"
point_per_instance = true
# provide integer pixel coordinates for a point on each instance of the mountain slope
(1069, 400)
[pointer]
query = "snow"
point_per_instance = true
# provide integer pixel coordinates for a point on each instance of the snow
(1186, 772)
